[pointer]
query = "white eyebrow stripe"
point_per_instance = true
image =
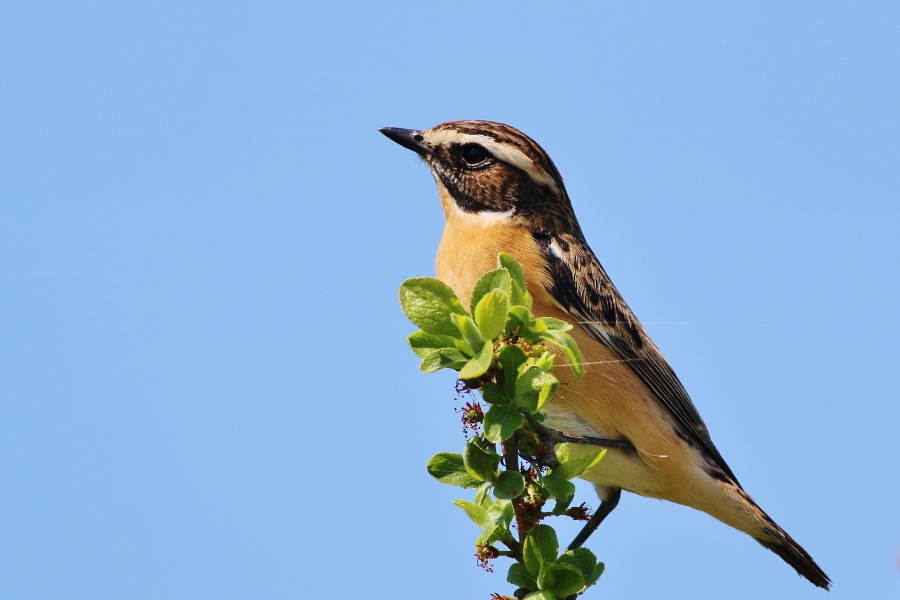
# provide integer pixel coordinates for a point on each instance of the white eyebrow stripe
(504, 152)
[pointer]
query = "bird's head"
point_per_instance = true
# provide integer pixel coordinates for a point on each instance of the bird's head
(492, 170)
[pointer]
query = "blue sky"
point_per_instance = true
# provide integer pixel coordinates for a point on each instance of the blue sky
(206, 391)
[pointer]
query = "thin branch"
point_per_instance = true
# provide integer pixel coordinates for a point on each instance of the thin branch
(515, 548)
(511, 461)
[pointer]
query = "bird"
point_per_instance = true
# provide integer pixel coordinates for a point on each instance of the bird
(500, 191)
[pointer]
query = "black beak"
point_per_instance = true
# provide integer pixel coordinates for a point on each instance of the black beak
(408, 138)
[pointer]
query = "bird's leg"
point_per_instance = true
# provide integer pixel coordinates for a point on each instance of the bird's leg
(550, 437)
(609, 496)
(562, 436)
(609, 499)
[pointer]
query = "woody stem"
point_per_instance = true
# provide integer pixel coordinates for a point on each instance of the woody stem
(511, 460)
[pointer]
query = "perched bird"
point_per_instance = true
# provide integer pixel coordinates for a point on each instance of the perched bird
(501, 192)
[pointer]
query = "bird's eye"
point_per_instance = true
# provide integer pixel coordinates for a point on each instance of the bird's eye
(474, 154)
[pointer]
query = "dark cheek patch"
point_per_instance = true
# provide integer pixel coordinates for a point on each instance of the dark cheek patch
(496, 188)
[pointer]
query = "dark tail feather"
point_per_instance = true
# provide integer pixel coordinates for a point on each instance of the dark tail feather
(791, 552)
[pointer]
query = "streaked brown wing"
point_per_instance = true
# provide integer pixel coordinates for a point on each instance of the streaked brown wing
(582, 286)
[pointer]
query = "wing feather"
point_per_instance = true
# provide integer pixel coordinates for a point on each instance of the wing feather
(581, 285)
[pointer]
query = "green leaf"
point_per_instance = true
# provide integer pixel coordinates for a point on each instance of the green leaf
(491, 521)
(497, 279)
(509, 485)
(519, 575)
(519, 315)
(545, 361)
(556, 324)
(520, 295)
(501, 421)
(560, 489)
(482, 496)
(560, 579)
(567, 345)
(449, 468)
(429, 303)
(493, 394)
(598, 571)
(512, 266)
(508, 511)
(541, 546)
(534, 388)
(442, 358)
(542, 595)
(496, 522)
(562, 452)
(490, 313)
(466, 327)
(480, 463)
(538, 326)
(478, 364)
(511, 358)
(574, 468)
(581, 558)
(423, 343)
(475, 512)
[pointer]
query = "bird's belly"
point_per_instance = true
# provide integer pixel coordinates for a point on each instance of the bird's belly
(613, 403)
(610, 399)
(624, 469)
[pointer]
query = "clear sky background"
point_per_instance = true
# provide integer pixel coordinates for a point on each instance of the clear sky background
(206, 391)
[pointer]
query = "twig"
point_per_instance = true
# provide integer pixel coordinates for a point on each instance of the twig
(511, 461)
